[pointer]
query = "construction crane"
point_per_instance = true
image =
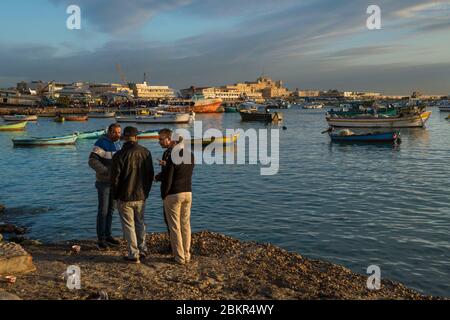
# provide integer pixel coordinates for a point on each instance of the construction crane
(121, 74)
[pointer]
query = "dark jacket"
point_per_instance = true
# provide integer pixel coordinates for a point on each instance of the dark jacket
(131, 173)
(176, 178)
(100, 158)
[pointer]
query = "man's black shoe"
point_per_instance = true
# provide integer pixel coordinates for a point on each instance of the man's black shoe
(102, 245)
(112, 241)
(132, 260)
(143, 255)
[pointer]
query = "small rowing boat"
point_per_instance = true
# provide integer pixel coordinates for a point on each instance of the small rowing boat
(263, 116)
(18, 126)
(60, 119)
(401, 121)
(38, 142)
(149, 134)
(20, 117)
(347, 135)
(91, 134)
(101, 115)
(215, 140)
(76, 118)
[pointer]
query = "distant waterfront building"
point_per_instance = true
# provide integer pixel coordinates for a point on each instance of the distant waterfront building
(76, 91)
(336, 94)
(42, 88)
(226, 93)
(262, 88)
(146, 92)
(99, 89)
(15, 98)
(305, 93)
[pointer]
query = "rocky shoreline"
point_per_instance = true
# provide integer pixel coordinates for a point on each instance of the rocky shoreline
(222, 268)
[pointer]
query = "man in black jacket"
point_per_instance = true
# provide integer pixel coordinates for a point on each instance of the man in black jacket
(131, 180)
(176, 192)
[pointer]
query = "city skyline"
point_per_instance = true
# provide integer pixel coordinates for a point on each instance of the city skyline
(307, 44)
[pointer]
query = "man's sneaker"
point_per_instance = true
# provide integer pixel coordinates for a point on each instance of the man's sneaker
(112, 241)
(132, 260)
(102, 245)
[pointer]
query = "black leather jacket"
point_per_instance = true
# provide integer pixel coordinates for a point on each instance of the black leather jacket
(132, 173)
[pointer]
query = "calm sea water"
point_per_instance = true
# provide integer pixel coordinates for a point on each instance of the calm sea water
(355, 205)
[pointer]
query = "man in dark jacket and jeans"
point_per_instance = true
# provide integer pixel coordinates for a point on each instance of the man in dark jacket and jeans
(176, 192)
(100, 160)
(131, 180)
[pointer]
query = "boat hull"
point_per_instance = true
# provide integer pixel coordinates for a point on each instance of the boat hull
(38, 142)
(19, 126)
(158, 119)
(386, 137)
(398, 122)
(260, 116)
(102, 115)
(91, 135)
(151, 134)
(16, 118)
(76, 118)
(214, 107)
(221, 140)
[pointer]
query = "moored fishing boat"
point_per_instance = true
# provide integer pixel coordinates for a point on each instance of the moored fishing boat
(372, 137)
(18, 126)
(159, 117)
(263, 116)
(312, 106)
(401, 121)
(149, 134)
(60, 119)
(39, 141)
(79, 118)
(91, 134)
(20, 117)
(218, 140)
(101, 115)
(230, 109)
(444, 106)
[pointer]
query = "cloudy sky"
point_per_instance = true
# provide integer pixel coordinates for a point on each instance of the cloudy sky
(310, 44)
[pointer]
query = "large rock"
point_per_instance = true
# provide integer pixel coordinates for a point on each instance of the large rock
(8, 296)
(14, 259)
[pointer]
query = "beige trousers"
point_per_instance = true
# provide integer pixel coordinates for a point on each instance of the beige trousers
(177, 208)
(133, 226)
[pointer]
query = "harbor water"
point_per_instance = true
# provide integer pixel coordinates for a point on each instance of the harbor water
(355, 205)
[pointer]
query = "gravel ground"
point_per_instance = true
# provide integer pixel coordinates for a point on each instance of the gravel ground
(222, 268)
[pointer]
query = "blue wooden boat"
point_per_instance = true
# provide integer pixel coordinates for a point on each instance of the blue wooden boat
(91, 134)
(375, 137)
(52, 141)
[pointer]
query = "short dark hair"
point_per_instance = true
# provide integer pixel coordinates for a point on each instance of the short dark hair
(166, 131)
(113, 126)
(130, 132)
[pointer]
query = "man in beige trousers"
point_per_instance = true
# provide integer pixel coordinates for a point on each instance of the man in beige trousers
(176, 192)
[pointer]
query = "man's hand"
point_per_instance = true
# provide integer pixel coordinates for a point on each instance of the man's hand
(158, 177)
(162, 162)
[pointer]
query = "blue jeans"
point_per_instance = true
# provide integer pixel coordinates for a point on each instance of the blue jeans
(105, 210)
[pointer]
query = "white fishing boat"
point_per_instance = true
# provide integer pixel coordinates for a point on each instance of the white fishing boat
(379, 121)
(20, 117)
(444, 106)
(312, 106)
(101, 115)
(159, 117)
